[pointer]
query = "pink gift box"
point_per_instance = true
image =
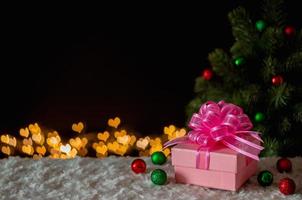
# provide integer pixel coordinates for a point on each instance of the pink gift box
(227, 170)
(215, 179)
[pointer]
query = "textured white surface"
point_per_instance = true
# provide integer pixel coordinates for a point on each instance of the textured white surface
(112, 178)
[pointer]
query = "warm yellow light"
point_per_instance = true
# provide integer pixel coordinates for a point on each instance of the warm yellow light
(124, 139)
(114, 122)
(27, 141)
(41, 150)
(116, 141)
(38, 138)
(133, 140)
(24, 132)
(169, 130)
(52, 134)
(28, 149)
(120, 133)
(34, 128)
(78, 127)
(103, 136)
(143, 143)
(101, 149)
(5, 139)
(76, 143)
(6, 150)
(53, 141)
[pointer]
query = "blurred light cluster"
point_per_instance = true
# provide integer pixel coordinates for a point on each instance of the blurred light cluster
(36, 142)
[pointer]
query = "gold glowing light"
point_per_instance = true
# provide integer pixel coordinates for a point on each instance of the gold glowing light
(5, 139)
(78, 127)
(38, 139)
(41, 150)
(120, 133)
(24, 132)
(76, 143)
(6, 150)
(28, 149)
(169, 130)
(34, 143)
(34, 128)
(27, 141)
(103, 136)
(143, 143)
(114, 122)
(125, 140)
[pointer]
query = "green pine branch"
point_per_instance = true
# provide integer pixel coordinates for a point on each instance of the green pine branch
(294, 62)
(297, 113)
(285, 126)
(268, 69)
(243, 30)
(220, 61)
(271, 40)
(280, 95)
(273, 12)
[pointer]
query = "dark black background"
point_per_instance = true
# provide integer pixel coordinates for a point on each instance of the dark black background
(63, 64)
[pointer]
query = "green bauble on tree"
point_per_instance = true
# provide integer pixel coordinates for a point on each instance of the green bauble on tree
(239, 61)
(262, 73)
(260, 25)
(259, 117)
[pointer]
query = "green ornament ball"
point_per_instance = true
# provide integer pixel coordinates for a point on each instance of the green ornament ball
(265, 178)
(159, 177)
(158, 158)
(260, 25)
(259, 117)
(239, 61)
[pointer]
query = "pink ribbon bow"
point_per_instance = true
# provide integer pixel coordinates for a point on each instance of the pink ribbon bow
(221, 123)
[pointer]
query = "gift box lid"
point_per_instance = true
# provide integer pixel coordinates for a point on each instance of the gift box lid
(221, 158)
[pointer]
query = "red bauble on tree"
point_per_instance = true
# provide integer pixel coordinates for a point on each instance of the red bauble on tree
(287, 186)
(277, 80)
(284, 165)
(138, 166)
(289, 31)
(207, 74)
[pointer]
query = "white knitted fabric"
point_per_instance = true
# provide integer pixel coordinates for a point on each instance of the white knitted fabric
(111, 178)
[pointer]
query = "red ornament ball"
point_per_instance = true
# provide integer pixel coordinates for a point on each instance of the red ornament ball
(287, 186)
(138, 166)
(277, 80)
(207, 74)
(289, 31)
(284, 165)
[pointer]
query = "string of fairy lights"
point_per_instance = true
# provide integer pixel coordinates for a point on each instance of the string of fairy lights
(36, 142)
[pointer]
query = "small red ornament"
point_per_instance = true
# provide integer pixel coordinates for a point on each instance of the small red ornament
(284, 165)
(289, 31)
(138, 166)
(277, 80)
(287, 186)
(207, 74)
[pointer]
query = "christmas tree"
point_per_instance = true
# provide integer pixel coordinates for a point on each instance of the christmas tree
(262, 74)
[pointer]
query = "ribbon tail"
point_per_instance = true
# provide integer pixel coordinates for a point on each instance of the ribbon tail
(244, 141)
(253, 134)
(175, 141)
(242, 148)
